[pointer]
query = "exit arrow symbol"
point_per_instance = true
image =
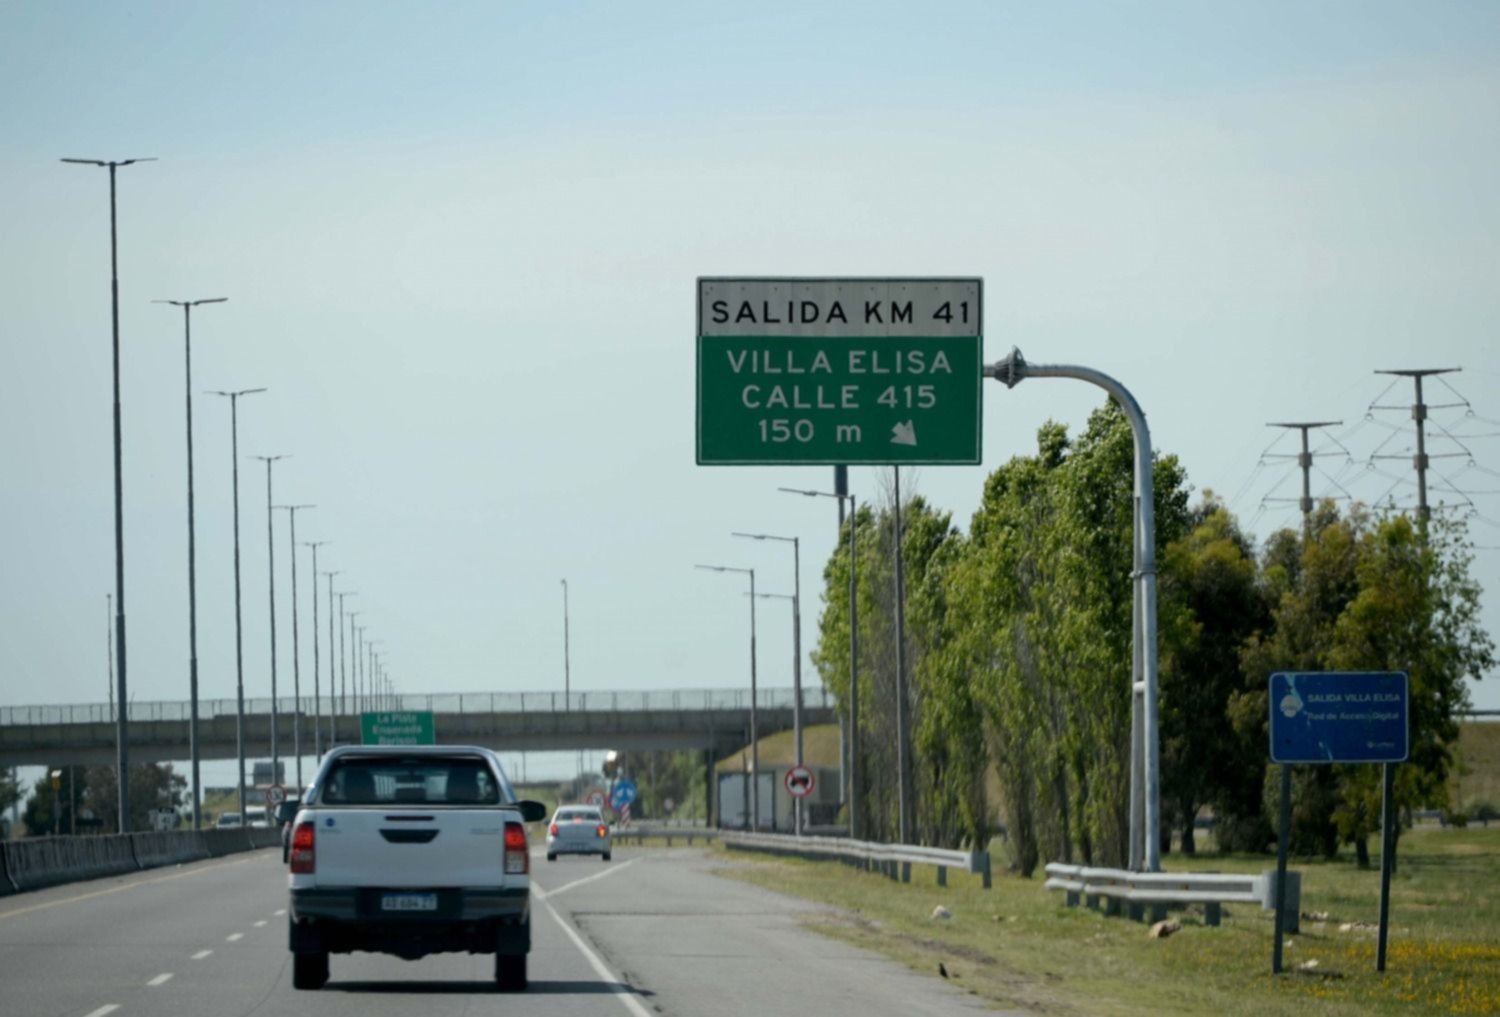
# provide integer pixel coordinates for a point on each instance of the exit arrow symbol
(904, 434)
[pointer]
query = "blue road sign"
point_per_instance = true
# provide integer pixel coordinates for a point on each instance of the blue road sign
(622, 795)
(1339, 717)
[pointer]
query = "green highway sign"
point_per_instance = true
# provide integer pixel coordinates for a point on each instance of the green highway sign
(839, 371)
(396, 727)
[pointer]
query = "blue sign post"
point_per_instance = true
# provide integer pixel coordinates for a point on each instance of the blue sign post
(1324, 717)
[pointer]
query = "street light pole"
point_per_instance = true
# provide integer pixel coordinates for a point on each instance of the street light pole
(271, 573)
(333, 704)
(291, 511)
(239, 643)
(754, 734)
(187, 355)
(354, 662)
(122, 750)
(317, 666)
(796, 654)
(357, 665)
(567, 664)
(854, 739)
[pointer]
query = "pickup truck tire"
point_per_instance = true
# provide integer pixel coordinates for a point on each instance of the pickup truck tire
(551, 857)
(310, 970)
(510, 972)
(607, 856)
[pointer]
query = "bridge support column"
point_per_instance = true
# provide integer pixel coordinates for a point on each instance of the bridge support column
(710, 815)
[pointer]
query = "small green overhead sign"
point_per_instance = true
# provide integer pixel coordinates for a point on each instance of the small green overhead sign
(396, 727)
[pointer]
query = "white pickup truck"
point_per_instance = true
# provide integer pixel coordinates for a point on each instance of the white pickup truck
(411, 851)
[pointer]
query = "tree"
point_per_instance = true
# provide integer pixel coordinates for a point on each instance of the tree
(152, 786)
(1211, 604)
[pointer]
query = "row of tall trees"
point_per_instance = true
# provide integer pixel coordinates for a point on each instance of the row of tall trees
(1018, 649)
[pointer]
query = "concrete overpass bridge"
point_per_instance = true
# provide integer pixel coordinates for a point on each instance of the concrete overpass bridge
(716, 721)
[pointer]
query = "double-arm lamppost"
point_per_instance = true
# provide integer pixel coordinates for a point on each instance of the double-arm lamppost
(754, 744)
(187, 352)
(291, 511)
(317, 666)
(239, 642)
(854, 760)
(796, 652)
(122, 741)
(271, 574)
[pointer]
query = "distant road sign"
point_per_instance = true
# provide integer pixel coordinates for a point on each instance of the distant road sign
(596, 798)
(837, 371)
(623, 794)
(396, 727)
(1339, 717)
(799, 781)
(275, 795)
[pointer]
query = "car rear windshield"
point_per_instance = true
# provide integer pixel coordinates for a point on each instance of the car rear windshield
(579, 815)
(417, 780)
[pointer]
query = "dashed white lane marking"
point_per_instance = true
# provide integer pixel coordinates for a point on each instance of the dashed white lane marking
(279, 913)
(622, 992)
(106, 1008)
(260, 924)
(586, 879)
(201, 954)
(233, 936)
(161, 979)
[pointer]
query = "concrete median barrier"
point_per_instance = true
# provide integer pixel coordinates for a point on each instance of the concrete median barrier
(226, 842)
(172, 848)
(50, 861)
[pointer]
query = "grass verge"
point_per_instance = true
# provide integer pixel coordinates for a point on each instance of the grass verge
(1018, 946)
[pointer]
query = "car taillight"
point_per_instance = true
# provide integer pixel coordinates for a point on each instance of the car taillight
(517, 857)
(303, 857)
(552, 829)
(602, 830)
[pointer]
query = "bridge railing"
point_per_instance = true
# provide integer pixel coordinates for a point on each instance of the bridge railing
(435, 702)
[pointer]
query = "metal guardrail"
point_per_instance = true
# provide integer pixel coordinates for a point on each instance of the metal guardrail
(639, 832)
(435, 702)
(1135, 892)
(895, 860)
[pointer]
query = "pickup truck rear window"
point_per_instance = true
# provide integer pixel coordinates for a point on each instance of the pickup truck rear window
(459, 780)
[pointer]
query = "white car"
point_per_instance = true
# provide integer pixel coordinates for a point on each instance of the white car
(411, 851)
(578, 830)
(229, 821)
(257, 816)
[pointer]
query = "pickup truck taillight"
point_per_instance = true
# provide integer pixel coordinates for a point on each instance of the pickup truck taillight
(303, 858)
(601, 831)
(517, 857)
(552, 829)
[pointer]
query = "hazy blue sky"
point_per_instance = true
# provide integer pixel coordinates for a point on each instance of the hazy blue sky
(460, 242)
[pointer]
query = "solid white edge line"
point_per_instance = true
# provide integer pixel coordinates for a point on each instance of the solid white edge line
(161, 979)
(622, 992)
(589, 879)
(201, 954)
(106, 1008)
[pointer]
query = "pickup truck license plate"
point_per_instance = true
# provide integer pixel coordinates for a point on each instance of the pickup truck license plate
(409, 902)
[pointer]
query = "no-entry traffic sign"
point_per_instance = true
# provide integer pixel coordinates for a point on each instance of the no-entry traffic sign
(799, 781)
(275, 795)
(806, 371)
(596, 798)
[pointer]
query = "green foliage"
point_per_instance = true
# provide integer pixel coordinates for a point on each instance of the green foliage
(93, 794)
(1019, 649)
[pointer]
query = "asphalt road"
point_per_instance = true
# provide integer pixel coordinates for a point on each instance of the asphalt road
(654, 931)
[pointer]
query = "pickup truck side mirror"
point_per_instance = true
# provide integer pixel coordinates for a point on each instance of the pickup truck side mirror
(287, 811)
(532, 812)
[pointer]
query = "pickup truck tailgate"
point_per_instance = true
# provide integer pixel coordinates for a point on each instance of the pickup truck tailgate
(445, 847)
